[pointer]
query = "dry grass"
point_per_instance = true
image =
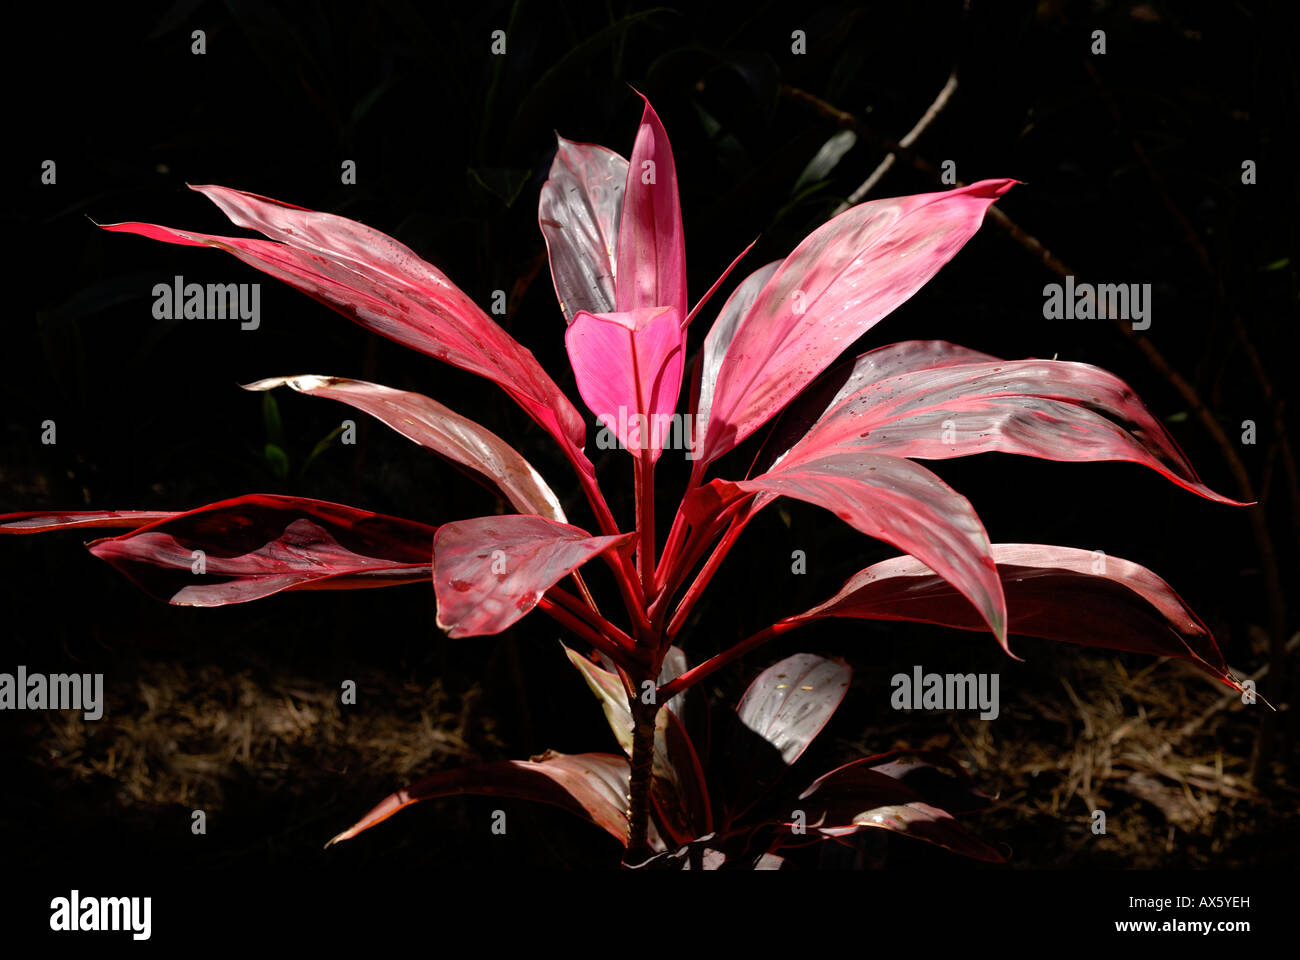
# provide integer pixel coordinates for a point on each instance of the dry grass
(186, 734)
(1163, 753)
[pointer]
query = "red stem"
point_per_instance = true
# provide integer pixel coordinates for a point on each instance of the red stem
(630, 588)
(604, 518)
(687, 552)
(587, 598)
(739, 515)
(620, 564)
(645, 522)
(696, 674)
(581, 629)
(671, 546)
(591, 618)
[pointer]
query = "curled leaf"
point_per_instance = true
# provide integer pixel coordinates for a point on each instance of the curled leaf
(253, 546)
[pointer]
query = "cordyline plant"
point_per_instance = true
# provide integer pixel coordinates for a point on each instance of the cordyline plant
(847, 440)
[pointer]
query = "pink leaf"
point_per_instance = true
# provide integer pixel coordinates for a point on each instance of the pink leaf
(1057, 593)
(628, 367)
(579, 212)
(441, 430)
(904, 504)
(490, 571)
(590, 785)
(253, 546)
(931, 400)
(836, 285)
(719, 339)
(382, 285)
(651, 246)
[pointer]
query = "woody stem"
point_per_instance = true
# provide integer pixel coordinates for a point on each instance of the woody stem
(638, 810)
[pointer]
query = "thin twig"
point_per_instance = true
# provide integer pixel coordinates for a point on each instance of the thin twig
(927, 118)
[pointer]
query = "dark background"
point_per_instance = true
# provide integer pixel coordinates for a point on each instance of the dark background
(452, 145)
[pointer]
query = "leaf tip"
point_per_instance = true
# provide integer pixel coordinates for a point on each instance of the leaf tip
(999, 627)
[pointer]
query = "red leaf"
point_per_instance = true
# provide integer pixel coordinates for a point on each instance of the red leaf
(1057, 593)
(651, 251)
(382, 285)
(260, 544)
(837, 284)
(490, 571)
(934, 775)
(39, 521)
(579, 213)
(719, 339)
(590, 785)
(932, 400)
(441, 430)
(856, 797)
(902, 503)
(678, 788)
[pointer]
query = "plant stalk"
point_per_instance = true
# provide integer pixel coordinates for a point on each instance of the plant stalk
(638, 799)
(645, 523)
